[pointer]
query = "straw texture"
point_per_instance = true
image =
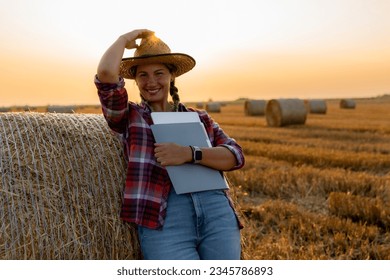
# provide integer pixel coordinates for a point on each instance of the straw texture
(60, 190)
(153, 50)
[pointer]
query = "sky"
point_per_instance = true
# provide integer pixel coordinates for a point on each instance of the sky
(256, 49)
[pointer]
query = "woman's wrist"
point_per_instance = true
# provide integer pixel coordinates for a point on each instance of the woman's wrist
(189, 152)
(122, 40)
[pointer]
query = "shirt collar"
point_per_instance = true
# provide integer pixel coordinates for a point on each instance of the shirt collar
(146, 107)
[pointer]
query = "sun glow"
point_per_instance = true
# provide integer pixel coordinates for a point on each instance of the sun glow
(243, 49)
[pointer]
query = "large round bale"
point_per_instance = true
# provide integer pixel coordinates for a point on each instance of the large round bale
(282, 112)
(61, 184)
(316, 106)
(347, 104)
(213, 107)
(254, 107)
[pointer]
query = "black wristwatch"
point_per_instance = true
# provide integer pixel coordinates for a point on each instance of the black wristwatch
(196, 154)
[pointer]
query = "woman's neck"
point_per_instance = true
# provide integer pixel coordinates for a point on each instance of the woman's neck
(161, 107)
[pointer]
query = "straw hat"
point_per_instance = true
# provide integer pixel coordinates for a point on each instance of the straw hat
(154, 50)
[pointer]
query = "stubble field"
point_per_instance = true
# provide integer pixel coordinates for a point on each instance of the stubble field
(315, 191)
(320, 190)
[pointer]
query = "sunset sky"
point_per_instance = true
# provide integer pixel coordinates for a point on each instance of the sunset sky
(258, 49)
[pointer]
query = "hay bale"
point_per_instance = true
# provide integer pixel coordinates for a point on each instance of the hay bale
(61, 109)
(213, 107)
(347, 104)
(254, 107)
(282, 112)
(60, 191)
(316, 106)
(199, 105)
(5, 109)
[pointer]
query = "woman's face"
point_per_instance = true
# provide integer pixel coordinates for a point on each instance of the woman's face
(153, 81)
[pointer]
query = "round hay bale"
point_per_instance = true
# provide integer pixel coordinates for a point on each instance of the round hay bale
(213, 107)
(282, 112)
(61, 185)
(254, 107)
(5, 109)
(347, 104)
(316, 106)
(199, 105)
(61, 109)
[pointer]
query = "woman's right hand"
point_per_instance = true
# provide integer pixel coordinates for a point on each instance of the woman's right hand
(132, 36)
(108, 68)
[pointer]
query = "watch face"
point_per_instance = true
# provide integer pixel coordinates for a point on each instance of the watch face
(198, 155)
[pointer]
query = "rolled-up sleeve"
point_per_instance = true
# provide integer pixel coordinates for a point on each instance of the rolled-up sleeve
(114, 101)
(219, 138)
(238, 153)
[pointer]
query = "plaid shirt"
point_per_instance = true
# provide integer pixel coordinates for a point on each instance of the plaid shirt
(147, 183)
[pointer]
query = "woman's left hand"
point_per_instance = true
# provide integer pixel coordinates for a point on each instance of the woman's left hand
(172, 154)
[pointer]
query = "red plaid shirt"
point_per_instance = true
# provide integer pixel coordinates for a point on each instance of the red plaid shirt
(147, 183)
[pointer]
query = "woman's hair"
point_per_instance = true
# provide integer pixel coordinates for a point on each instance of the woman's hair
(173, 90)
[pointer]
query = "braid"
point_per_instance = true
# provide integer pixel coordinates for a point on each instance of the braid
(175, 96)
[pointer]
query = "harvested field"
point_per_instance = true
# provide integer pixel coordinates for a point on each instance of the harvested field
(319, 190)
(315, 191)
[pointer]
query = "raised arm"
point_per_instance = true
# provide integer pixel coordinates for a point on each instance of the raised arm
(108, 68)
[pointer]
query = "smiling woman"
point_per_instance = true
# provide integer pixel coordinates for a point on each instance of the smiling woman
(165, 217)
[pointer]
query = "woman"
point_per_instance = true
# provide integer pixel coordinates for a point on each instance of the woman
(200, 225)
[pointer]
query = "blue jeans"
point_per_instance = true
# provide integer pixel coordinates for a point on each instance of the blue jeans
(198, 226)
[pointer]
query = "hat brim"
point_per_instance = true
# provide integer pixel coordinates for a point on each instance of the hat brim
(182, 62)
